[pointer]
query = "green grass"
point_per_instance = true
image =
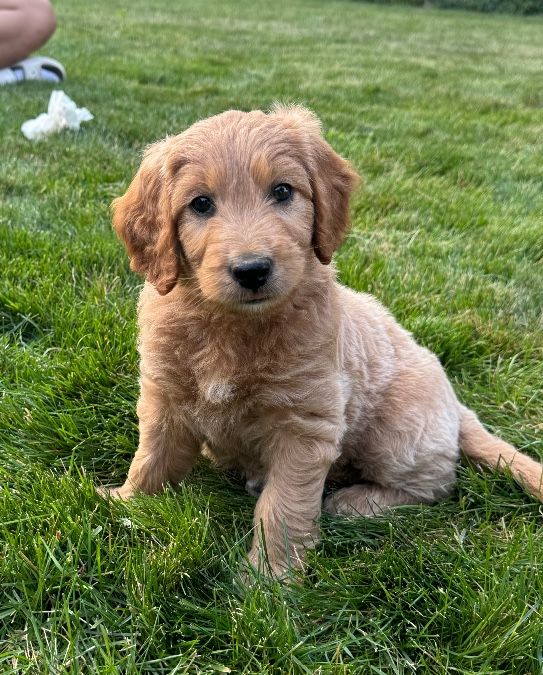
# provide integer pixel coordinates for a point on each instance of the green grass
(441, 113)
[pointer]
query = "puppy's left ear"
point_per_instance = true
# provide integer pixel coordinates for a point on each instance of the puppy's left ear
(333, 181)
(332, 178)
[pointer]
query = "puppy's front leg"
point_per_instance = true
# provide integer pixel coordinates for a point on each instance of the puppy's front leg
(167, 449)
(289, 506)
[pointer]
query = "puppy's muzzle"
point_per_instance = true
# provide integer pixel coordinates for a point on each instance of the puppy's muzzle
(252, 272)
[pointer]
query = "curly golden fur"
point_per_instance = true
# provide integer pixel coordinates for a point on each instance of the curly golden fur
(292, 378)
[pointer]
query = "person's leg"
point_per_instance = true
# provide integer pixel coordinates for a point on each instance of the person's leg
(25, 25)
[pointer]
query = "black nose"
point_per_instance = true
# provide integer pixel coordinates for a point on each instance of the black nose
(252, 273)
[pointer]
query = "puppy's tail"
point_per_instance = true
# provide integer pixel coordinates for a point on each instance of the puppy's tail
(484, 448)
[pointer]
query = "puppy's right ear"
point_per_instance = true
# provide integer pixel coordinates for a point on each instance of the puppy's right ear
(332, 178)
(143, 220)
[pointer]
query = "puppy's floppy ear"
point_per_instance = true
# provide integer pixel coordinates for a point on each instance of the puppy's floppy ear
(332, 178)
(333, 182)
(143, 219)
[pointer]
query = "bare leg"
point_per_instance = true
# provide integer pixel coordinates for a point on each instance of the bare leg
(167, 450)
(25, 25)
(367, 500)
(289, 506)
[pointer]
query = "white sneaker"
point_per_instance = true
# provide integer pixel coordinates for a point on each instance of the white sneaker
(33, 68)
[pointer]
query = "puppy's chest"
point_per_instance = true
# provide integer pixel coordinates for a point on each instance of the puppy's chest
(222, 403)
(220, 417)
(236, 387)
(233, 409)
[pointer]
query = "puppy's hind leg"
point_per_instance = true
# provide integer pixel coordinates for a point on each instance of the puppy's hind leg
(408, 468)
(410, 450)
(367, 499)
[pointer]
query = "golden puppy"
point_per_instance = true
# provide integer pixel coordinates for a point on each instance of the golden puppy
(249, 346)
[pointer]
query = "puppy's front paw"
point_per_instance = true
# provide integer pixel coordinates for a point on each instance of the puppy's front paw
(123, 492)
(275, 567)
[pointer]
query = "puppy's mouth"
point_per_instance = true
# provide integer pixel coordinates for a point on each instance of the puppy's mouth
(259, 303)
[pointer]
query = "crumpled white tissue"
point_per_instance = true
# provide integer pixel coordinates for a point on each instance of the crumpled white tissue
(62, 113)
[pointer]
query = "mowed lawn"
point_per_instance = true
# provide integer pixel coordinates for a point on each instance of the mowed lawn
(442, 113)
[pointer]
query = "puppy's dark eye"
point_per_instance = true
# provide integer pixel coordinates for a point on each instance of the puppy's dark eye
(282, 192)
(202, 205)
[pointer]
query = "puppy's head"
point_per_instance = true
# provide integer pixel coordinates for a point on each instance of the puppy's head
(240, 206)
